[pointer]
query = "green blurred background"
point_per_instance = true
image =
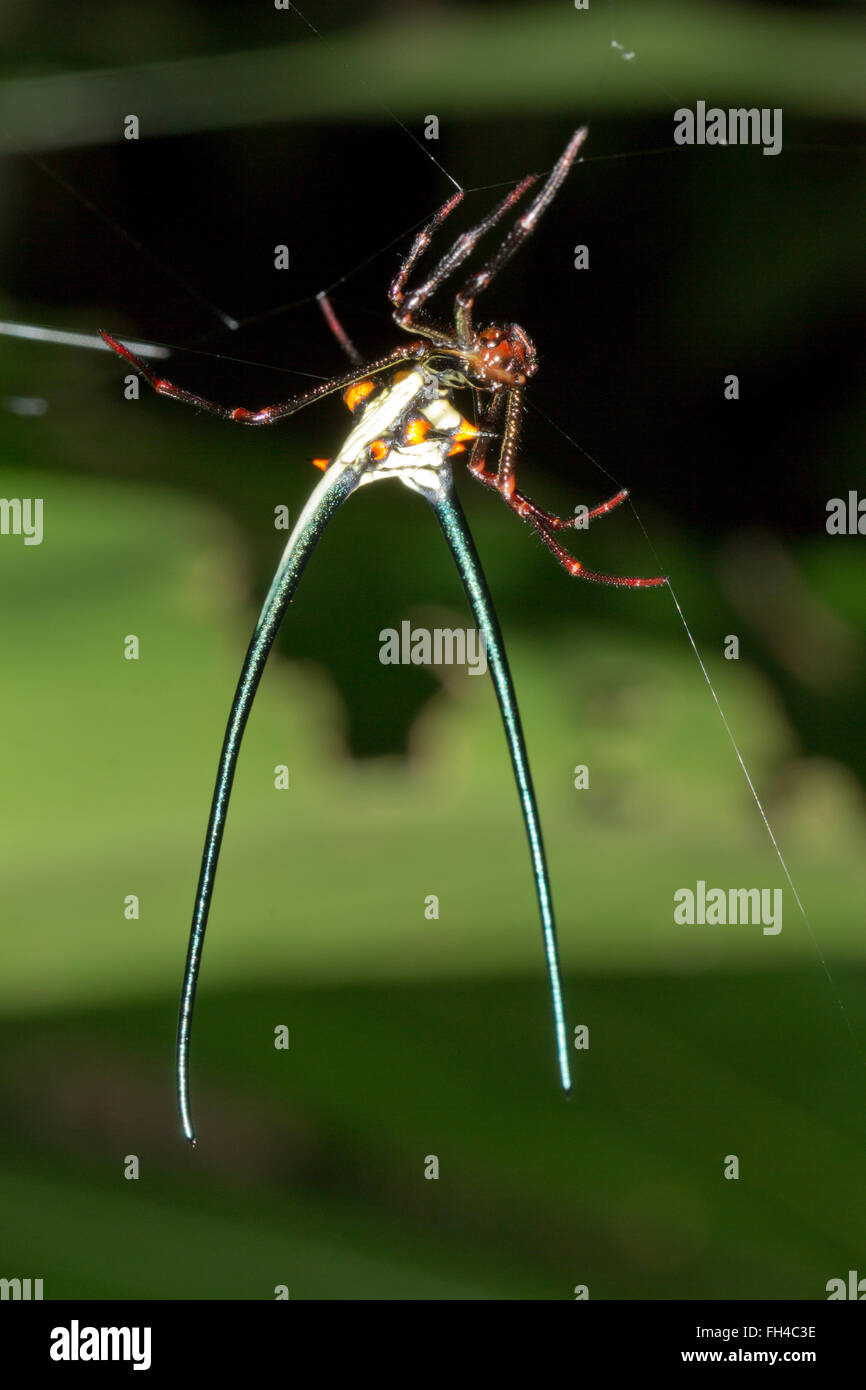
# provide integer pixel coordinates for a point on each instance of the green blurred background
(412, 1037)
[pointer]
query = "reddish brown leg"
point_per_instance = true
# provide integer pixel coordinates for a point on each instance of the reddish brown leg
(558, 523)
(523, 227)
(579, 571)
(271, 413)
(406, 305)
(488, 429)
(337, 328)
(568, 523)
(419, 246)
(545, 523)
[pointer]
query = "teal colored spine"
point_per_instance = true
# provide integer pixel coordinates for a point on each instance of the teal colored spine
(456, 530)
(331, 492)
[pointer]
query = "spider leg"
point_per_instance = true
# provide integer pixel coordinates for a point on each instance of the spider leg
(503, 480)
(330, 493)
(579, 571)
(566, 523)
(523, 227)
(337, 328)
(530, 511)
(545, 523)
(419, 246)
(406, 305)
(271, 413)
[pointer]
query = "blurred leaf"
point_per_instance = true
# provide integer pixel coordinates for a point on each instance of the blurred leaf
(466, 62)
(110, 771)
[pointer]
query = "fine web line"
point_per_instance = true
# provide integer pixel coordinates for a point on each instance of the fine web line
(230, 322)
(63, 337)
(394, 117)
(225, 319)
(727, 727)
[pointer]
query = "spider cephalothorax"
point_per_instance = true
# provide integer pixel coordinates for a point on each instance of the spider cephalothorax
(502, 357)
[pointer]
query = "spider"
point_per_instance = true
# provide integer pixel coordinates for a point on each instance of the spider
(405, 425)
(496, 360)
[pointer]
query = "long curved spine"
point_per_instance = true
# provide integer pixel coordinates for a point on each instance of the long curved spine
(455, 527)
(335, 486)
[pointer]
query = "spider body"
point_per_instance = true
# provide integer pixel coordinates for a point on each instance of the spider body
(495, 361)
(502, 357)
(405, 425)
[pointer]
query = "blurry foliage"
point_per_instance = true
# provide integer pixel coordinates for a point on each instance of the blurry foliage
(309, 1169)
(466, 59)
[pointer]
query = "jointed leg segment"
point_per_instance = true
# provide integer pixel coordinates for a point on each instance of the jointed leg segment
(545, 523)
(337, 328)
(406, 305)
(270, 414)
(523, 227)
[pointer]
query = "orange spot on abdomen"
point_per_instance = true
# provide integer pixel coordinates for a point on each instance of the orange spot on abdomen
(417, 431)
(465, 430)
(357, 393)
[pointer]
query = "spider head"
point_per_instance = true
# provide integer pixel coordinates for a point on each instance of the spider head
(502, 357)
